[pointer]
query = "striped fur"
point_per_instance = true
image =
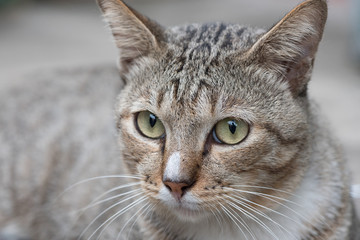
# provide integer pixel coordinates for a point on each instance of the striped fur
(286, 180)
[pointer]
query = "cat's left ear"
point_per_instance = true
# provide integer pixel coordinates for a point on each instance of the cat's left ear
(135, 35)
(288, 49)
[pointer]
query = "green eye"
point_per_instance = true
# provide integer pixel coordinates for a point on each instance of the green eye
(150, 125)
(230, 131)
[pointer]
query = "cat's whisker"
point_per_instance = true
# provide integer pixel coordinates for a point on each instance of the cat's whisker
(145, 209)
(275, 201)
(114, 189)
(254, 218)
(111, 219)
(242, 203)
(96, 178)
(268, 188)
(220, 214)
(148, 211)
(137, 214)
(267, 196)
(245, 223)
(214, 214)
(109, 199)
(264, 207)
(234, 219)
(248, 206)
(92, 204)
(106, 210)
(220, 219)
(152, 212)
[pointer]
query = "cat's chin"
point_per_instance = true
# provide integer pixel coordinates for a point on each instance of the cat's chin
(188, 215)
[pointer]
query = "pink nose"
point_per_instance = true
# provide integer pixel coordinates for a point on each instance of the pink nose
(177, 189)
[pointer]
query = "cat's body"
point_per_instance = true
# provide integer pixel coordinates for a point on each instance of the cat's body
(283, 178)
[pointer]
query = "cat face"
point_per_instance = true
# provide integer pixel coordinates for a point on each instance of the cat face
(188, 149)
(213, 113)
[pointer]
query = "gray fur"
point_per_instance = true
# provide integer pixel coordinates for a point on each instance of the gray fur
(58, 130)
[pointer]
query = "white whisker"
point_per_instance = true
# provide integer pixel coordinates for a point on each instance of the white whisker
(268, 188)
(148, 211)
(216, 217)
(275, 201)
(230, 215)
(254, 218)
(109, 199)
(268, 195)
(103, 212)
(93, 179)
(260, 213)
(115, 216)
(266, 208)
(245, 223)
(115, 189)
(138, 214)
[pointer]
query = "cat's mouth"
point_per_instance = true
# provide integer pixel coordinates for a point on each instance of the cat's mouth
(185, 208)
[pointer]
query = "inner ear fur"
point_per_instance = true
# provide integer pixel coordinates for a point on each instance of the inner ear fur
(135, 35)
(288, 49)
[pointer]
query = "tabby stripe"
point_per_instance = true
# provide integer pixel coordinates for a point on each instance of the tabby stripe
(182, 61)
(215, 60)
(227, 41)
(175, 83)
(240, 32)
(222, 27)
(203, 29)
(160, 97)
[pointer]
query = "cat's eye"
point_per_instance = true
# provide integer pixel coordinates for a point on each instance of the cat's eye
(150, 125)
(230, 131)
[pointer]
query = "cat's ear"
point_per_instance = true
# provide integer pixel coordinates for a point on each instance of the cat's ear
(288, 49)
(135, 35)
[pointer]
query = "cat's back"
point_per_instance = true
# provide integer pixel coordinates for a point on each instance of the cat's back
(53, 125)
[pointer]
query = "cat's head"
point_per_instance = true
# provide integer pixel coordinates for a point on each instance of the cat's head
(212, 113)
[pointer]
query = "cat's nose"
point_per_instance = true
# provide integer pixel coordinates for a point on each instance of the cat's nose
(177, 189)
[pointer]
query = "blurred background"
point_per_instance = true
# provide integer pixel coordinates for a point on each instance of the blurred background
(36, 35)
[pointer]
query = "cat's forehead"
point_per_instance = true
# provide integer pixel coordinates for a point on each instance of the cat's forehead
(212, 36)
(198, 58)
(194, 48)
(194, 71)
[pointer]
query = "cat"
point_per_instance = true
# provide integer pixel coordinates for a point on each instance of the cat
(214, 137)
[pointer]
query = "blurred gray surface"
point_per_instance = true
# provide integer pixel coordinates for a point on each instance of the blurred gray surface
(67, 34)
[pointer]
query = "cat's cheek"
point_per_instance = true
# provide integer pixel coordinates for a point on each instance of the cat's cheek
(237, 160)
(139, 154)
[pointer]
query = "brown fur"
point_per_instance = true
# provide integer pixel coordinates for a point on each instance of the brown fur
(285, 180)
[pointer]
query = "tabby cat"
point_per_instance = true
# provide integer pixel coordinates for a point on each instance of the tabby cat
(214, 138)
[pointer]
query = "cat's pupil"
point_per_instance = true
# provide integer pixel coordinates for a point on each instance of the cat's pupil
(152, 120)
(232, 126)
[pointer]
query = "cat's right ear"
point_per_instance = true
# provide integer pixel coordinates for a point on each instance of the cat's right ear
(135, 35)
